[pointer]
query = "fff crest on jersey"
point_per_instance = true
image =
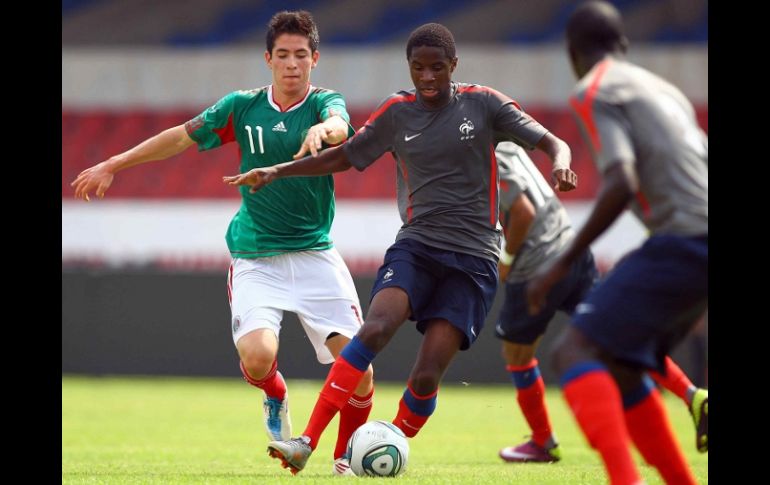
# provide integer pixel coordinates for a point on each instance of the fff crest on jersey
(466, 128)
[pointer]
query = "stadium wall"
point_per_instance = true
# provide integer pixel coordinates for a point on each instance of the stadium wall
(161, 323)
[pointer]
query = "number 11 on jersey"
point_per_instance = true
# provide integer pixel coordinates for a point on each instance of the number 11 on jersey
(259, 137)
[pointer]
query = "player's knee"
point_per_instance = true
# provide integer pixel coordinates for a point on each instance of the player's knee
(569, 349)
(425, 382)
(257, 364)
(377, 332)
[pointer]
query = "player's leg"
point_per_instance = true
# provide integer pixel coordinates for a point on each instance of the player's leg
(441, 342)
(649, 426)
(328, 308)
(354, 413)
(635, 316)
(520, 334)
(451, 317)
(595, 401)
(256, 323)
(389, 308)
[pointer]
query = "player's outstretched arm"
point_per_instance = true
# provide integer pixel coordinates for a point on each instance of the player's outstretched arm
(563, 178)
(619, 185)
(161, 146)
(332, 131)
(328, 161)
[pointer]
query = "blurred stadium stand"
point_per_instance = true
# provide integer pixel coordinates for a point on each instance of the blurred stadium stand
(195, 23)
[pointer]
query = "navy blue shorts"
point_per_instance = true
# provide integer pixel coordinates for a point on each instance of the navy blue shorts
(517, 326)
(649, 301)
(442, 284)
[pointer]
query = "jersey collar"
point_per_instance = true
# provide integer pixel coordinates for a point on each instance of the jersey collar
(294, 106)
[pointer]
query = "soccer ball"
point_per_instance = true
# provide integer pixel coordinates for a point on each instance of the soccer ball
(378, 449)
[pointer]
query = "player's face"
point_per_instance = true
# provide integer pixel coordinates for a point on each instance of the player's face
(431, 72)
(291, 62)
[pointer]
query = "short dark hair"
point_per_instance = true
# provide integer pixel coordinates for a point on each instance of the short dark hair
(432, 35)
(298, 22)
(596, 26)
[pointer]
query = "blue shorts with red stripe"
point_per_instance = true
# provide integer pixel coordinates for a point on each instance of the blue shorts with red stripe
(441, 284)
(649, 301)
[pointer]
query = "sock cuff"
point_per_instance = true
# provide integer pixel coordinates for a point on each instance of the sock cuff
(521, 368)
(260, 382)
(581, 369)
(420, 405)
(639, 394)
(357, 354)
(523, 379)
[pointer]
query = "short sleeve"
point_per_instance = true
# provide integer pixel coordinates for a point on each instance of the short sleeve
(214, 126)
(374, 138)
(511, 123)
(333, 104)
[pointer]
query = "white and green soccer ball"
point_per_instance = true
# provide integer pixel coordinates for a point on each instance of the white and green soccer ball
(378, 449)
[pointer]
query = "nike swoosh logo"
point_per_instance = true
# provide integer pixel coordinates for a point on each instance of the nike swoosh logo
(407, 137)
(403, 421)
(335, 386)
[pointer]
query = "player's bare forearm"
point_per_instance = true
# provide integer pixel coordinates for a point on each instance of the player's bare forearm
(332, 131)
(564, 179)
(161, 146)
(328, 161)
(337, 128)
(520, 217)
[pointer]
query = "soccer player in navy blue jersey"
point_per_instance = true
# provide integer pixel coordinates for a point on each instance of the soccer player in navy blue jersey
(442, 270)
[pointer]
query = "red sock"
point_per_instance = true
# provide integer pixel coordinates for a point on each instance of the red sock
(407, 420)
(675, 380)
(342, 380)
(596, 403)
(532, 403)
(650, 429)
(273, 383)
(353, 414)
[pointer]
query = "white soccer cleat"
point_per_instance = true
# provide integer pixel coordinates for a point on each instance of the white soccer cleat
(277, 420)
(342, 467)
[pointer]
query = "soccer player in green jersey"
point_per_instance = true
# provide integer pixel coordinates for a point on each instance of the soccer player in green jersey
(283, 257)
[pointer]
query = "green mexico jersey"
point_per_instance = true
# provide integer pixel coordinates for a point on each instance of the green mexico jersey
(290, 214)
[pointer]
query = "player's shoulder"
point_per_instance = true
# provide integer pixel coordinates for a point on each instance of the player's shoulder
(398, 100)
(611, 80)
(248, 94)
(321, 91)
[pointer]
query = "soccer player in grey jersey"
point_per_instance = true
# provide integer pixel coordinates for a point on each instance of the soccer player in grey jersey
(537, 229)
(442, 270)
(652, 155)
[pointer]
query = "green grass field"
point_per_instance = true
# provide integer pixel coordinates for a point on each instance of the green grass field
(185, 430)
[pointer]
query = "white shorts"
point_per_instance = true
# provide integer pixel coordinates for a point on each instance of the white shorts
(316, 285)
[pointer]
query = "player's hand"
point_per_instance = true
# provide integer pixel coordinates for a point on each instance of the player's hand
(257, 178)
(316, 135)
(97, 178)
(539, 286)
(564, 179)
(503, 270)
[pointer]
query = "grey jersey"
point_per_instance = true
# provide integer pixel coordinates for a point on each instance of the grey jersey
(630, 115)
(551, 229)
(447, 173)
